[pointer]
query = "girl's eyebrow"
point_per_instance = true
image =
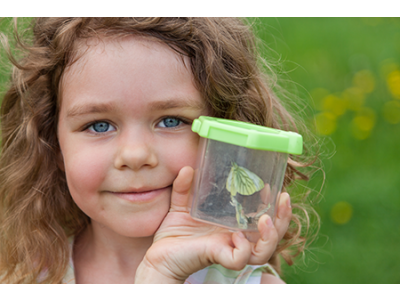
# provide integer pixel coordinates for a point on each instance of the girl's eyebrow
(92, 108)
(176, 103)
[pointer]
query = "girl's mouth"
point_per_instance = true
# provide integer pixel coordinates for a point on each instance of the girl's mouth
(141, 196)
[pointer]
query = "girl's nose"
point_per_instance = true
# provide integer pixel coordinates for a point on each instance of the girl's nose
(135, 155)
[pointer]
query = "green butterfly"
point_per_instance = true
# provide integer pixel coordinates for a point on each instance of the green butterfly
(244, 182)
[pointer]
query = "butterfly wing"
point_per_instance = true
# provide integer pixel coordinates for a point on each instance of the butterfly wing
(230, 184)
(240, 216)
(246, 182)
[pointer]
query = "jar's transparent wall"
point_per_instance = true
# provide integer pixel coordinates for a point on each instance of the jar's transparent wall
(213, 202)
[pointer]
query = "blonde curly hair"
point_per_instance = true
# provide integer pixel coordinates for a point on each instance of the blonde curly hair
(37, 213)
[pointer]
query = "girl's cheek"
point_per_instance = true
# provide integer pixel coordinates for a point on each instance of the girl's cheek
(85, 171)
(185, 154)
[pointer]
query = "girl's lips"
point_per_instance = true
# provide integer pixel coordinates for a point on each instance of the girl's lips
(137, 197)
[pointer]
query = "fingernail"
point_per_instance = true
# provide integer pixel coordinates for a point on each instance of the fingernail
(288, 201)
(265, 234)
(269, 222)
(285, 201)
(241, 235)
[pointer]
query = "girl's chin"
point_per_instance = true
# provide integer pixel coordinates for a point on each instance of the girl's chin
(140, 228)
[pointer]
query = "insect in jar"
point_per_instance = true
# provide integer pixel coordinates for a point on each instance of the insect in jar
(244, 182)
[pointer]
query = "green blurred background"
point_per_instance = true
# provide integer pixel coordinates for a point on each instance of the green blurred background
(348, 72)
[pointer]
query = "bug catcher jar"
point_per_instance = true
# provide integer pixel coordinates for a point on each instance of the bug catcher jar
(240, 171)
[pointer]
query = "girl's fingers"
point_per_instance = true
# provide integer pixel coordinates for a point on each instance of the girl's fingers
(272, 233)
(181, 190)
(243, 252)
(266, 245)
(234, 258)
(284, 215)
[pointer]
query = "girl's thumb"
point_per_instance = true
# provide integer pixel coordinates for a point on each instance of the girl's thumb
(181, 190)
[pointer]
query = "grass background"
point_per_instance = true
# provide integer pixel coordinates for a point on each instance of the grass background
(347, 70)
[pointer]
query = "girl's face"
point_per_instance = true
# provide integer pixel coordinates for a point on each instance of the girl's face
(125, 132)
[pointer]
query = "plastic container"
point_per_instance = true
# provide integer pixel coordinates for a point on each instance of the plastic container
(240, 171)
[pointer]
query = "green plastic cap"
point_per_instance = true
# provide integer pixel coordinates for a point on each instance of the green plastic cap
(248, 135)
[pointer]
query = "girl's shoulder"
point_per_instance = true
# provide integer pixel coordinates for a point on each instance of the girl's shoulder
(214, 274)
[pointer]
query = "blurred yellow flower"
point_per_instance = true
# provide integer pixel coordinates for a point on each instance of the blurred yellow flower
(326, 123)
(354, 97)
(341, 212)
(358, 133)
(334, 105)
(365, 118)
(363, 123)
(364, 80)
(393, 82)
(391, 112)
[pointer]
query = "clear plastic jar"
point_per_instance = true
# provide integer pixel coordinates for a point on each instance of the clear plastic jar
(237, 179)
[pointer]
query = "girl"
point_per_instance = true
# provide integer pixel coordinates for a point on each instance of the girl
(98, 155)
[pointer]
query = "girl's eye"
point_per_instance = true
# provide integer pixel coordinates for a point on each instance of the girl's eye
(170, 122)
(100, 127)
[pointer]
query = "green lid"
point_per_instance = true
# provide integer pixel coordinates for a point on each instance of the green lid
(248, 135)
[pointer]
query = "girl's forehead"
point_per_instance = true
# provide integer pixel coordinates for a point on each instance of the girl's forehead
(137, 45)
(130, 70)
(92, 52)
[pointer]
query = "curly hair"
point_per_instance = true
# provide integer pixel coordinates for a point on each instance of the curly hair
(37, 213)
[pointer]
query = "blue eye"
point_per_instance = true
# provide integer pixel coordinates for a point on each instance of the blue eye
(100, 127)
(170, 122)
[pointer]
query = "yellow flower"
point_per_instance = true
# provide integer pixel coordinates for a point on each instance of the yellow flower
(363, 123)
(341, 212)
(393, 82)
(354, 97)
(326, 123)
(334, 104)
(364, 80)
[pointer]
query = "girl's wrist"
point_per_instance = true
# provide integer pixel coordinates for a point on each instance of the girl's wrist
(147, 273)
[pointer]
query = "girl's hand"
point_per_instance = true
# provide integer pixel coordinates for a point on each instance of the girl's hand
(183, 246)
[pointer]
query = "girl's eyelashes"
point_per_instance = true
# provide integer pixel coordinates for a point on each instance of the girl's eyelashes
(100, 127)
(172, 122)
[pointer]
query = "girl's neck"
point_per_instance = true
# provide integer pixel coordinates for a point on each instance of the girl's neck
(102, 256)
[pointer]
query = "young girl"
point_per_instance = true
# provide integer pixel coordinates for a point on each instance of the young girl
(98, 154)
